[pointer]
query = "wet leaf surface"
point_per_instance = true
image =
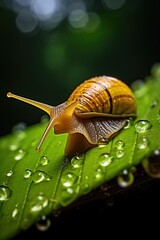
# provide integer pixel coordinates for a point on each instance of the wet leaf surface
(33, 185)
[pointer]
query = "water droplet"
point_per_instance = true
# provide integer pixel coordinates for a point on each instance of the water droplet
(157, 152)
(102, 145)
(120, 153)
(19, 130)
(59, 143)
(15, 211)
(140, 88)
(152, 164)
(133, 169)
(85, 186)
(44, 160)
(19, 127)
(119, 144)
(27, 173)
(102, 141)
(40, 202)
(158, 118)
(44, 118)
(142, 126)
(99, 174)
(125, 179)
(20, 153)
(67, 196)
(25, 223)
(14, 145)
(43, 224)
(104, 187)
(19, 135)
(105, 159)
(154, 104)
(10, 173)
(40, 176)
(138, 84)
(5, 193)
(143, 143)
(69, 179)
(34, 142)
(129, 123)
(77, 161)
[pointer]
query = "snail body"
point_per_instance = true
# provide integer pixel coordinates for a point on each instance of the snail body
(93, 114)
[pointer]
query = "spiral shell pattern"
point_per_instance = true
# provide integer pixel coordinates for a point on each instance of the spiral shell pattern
(104, 95)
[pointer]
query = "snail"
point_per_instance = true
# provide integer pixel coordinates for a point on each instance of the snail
(93, 114)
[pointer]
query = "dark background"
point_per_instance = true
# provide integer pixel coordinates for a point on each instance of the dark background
(47, 64)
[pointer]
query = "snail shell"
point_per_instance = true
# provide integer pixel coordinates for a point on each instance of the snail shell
(93, 114)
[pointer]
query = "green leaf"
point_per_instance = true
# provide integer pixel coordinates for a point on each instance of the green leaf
(36, 184)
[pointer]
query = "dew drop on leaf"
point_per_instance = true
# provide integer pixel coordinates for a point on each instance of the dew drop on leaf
(9, 173)
(66, 196)
(19, 130)
(77, 161)
(142, 126)
(15, 211)
(34, 142)
(138, 84)
(154, 104)
(19, 135)
(102, 145)
(40, 202)
(139, 87)
(152, 164)
(119, 144)
(44, 160)
(40, 176)
(143, 143)
(120, 153)
(19, 127)
(102, 141)
(129, 123)
(125, 179)
(85, 186)
(44, 118)
(25, 223)
(20, 153)
(158, 118)
(43, 224)
(105, 159)
(27, 173)
(5, 193)
(14, 145)
(99, 174)
(69, 179)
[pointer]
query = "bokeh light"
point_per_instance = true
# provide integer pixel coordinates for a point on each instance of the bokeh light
(26, 21)
(48, 14)
(114, 4)
(48, 47)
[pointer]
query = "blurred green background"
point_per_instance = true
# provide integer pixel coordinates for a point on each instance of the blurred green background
(49, 47)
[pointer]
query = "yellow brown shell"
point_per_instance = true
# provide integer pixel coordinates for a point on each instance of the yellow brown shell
(104, 95)
(95, 112)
